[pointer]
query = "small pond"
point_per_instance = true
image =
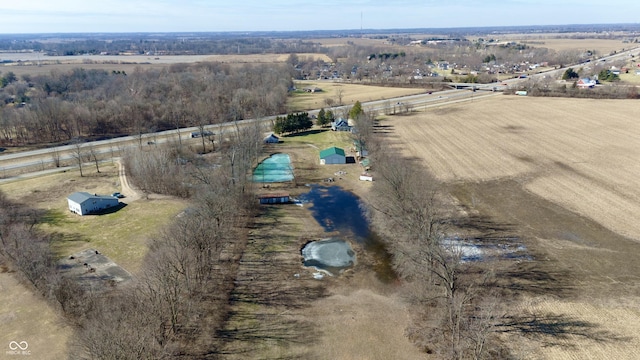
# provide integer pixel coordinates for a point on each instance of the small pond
(275, 168)
(329, 255)
(340, 211)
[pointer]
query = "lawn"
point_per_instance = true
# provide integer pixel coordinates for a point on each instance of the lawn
(121, 235)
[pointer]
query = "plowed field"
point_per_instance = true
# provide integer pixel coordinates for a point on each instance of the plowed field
(565, 173)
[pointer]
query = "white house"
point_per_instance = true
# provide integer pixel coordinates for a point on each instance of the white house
(83, 203)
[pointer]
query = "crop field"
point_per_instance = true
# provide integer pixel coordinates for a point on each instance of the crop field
(563, 43)
(35, 64)
(564, 172)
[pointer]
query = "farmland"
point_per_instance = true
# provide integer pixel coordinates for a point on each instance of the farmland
(560, 172)
(563, 172)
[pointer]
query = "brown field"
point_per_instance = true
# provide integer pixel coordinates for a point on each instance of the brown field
(601, 46)
(25, 316)
(351, 94)
(128, 63)
(564, 173)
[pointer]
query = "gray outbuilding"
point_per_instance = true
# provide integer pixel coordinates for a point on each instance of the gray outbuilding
(83, 203)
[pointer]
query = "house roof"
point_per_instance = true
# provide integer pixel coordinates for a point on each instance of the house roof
(331, 151)
(272, 137)
(80, 197)
(340, 122)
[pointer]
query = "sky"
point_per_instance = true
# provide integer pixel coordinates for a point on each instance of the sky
(81, 16)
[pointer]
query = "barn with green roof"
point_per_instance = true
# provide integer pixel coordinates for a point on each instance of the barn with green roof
(332, 155)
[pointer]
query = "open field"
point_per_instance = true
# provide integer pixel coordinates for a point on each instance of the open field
(35, 64)
(350, 94)
(25, 316)
(563, 173)
(120, 235)
(601, 46)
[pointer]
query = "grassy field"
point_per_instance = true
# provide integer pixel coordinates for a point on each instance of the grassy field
(120, 235)
(25, 316)
(351, 93)
(563, 172)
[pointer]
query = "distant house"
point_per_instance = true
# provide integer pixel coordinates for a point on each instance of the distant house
(332, 155)
(271, 139)
(585, 83)
(274, 198)
(83, 203)
(340, 125)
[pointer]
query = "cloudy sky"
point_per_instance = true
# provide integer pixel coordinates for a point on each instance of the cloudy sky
(49, 16)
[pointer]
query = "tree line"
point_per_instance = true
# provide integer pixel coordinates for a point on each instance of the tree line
(292, 123)
(452, 301)
(61, 106)
(167, 45)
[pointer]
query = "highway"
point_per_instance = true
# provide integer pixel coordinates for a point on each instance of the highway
(38, 160)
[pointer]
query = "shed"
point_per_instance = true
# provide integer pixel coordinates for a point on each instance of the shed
(274, 198)
(332, 155)
(271, 139)
(83, 203)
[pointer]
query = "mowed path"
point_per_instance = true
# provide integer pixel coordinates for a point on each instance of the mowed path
(579, 154)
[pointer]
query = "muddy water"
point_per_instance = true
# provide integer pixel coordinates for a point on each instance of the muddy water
(338, 210)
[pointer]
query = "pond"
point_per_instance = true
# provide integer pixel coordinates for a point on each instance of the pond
(338, 210)
(331, 255)
(275, 168)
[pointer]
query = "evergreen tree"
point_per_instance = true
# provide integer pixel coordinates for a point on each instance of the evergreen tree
(356, 110)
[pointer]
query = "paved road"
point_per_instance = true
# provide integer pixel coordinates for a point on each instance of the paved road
(39, 160)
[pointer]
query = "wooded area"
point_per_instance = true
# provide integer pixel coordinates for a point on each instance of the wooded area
(94, 104)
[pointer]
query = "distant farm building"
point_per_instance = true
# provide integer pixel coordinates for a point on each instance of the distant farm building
(585, 83)
(83, 203)
(274, 198)
(271, 139)
(332, 155)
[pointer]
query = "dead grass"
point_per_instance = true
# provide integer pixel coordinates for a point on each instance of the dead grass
(34, 65)
(351, 94)
(562, 42)
(25, 316)
(120, 235)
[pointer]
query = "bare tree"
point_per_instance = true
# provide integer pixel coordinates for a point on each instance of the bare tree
(55, 156)
(78, 153)
(340, 95)
(93, 154)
